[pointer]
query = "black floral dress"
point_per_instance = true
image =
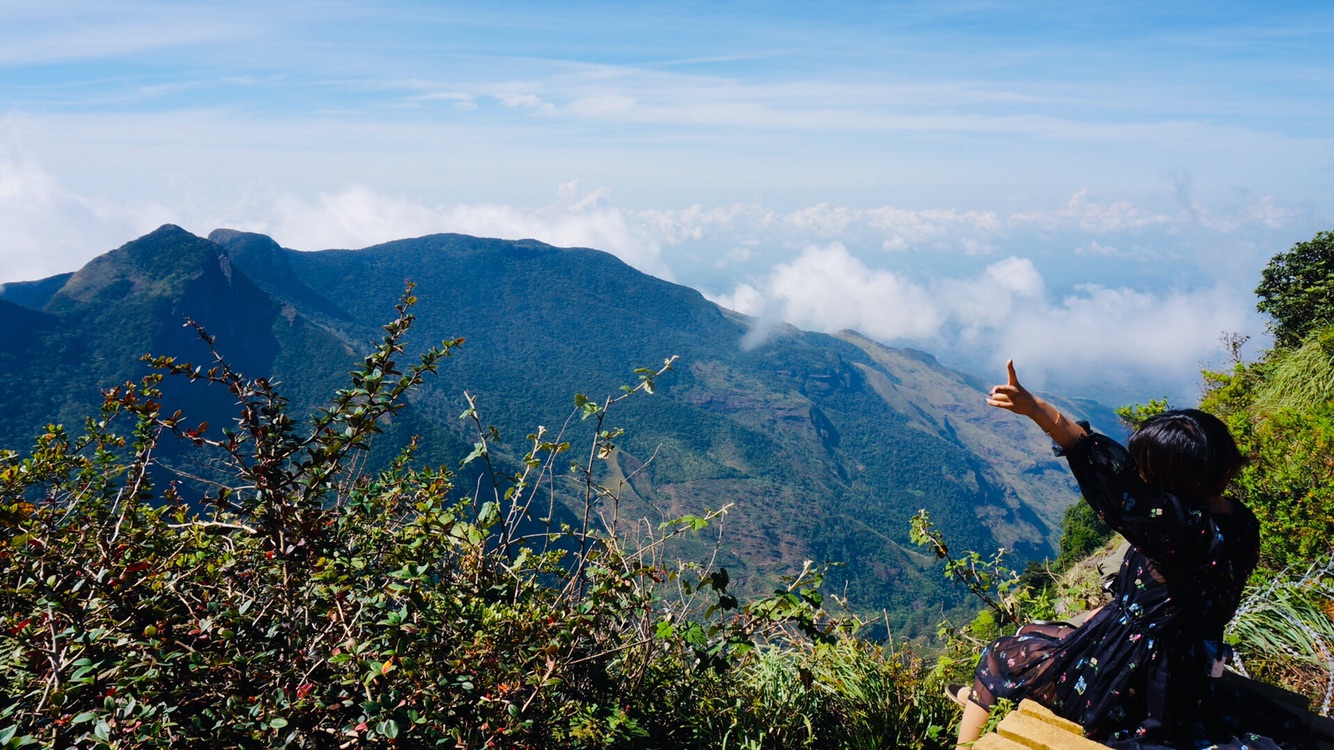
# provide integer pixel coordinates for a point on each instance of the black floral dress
(1137, 673)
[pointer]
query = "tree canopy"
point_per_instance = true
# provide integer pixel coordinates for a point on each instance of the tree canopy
(1297, 289)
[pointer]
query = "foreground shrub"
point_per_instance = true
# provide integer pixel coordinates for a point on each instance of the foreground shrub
(283, 597)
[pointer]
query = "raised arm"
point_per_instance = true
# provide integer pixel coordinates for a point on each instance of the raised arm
(1165, 527)
(1011, 396)
(1159, 523)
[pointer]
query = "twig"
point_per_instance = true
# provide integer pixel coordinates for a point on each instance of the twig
(609, 652)
(217, 524)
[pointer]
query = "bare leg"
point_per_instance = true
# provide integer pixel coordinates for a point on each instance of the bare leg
(970, 726)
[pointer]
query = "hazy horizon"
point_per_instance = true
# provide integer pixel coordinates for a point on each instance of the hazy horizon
(1092, 190)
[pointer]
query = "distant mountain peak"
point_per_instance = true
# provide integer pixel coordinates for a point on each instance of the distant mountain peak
(825, 445)
(270, 266)
(166, 230)
(161, 262)
(222, 235)
(34, 294)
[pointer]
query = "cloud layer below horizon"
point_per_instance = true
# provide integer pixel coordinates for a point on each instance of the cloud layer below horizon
(972, 287)
(1091, 189)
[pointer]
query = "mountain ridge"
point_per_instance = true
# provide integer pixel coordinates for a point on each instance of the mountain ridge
(825, 444)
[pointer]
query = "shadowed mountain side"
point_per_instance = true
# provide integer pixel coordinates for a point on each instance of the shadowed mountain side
(821, 459)
(33, 294)
(27, 405)
(825, 445)
(1035, 484)
(135, 300)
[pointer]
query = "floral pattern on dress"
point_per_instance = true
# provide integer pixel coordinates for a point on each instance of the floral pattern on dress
(1136, 674)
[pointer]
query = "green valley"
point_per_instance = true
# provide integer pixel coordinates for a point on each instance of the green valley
(823, 446)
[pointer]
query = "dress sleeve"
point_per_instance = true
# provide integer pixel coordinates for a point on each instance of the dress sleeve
(1166, 529)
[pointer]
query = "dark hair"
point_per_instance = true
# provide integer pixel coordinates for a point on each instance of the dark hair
(1187, 452)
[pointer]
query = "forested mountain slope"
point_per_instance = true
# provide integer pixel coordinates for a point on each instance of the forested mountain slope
(825, 445)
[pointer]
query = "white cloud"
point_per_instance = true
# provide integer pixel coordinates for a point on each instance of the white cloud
(819, 267)
(828, 289)
(1089, 338)
(46, 229)
(1269, 213)
(1263, 211)
(741, 220)
(93, 32)
(517, 96)
(902, 229)
(460, 100)
(1100, 334)
(1093, 247)
(984, 303)
(603, 105)
(357, 217)
(1092, 216)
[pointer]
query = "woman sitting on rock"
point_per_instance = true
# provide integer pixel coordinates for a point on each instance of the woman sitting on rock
(1139, 673)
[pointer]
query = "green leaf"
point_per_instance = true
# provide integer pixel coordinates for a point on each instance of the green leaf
(478, 450)
(488, 514)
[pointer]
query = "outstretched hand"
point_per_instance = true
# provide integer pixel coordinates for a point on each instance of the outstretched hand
(1011, 396)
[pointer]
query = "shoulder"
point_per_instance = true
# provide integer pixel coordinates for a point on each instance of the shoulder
(1236, 532)
(1097, 451)
(1233, 513)
(1245, 522)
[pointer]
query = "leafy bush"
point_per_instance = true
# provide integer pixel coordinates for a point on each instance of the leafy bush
(1284, 632)
(1082, 534)
(1281, 410)
(1011, 598)
(1300, 378)
(284, 597)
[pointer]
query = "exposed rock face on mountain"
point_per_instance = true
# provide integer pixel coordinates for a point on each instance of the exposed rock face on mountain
(826, 445)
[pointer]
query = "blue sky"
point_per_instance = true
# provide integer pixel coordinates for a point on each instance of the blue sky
(1091, 188)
